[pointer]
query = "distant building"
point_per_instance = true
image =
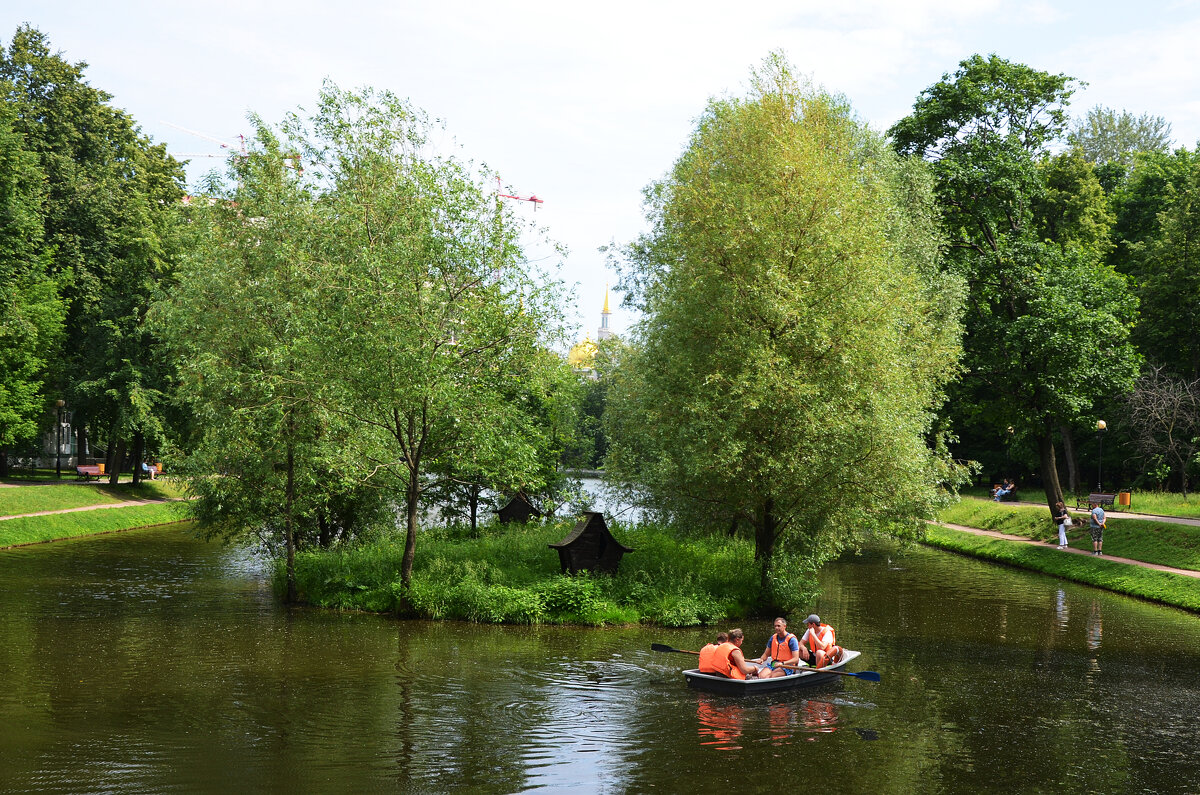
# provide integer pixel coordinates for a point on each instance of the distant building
(582, 356)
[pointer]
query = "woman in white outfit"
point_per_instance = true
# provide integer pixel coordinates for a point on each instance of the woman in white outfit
(1063, 520)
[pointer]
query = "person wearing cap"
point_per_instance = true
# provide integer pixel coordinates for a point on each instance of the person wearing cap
(818, 644)
(782, 647)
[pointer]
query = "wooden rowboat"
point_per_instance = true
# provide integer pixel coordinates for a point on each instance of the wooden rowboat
(808, 677)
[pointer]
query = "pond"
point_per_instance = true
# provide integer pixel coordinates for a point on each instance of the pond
(149, 661)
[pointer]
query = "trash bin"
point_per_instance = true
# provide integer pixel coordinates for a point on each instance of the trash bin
(1123, 498)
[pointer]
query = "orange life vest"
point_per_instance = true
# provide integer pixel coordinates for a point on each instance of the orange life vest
(781, 650)
(812, 638)
(708, 661)
(721, 663)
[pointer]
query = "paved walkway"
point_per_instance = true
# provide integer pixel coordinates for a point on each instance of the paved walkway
(1131, 561)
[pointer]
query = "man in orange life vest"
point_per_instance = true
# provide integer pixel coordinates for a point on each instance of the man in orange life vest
(726, 658)
(782, 647)
(818, 646)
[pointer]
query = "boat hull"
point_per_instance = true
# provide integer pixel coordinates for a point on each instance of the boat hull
(809, 677)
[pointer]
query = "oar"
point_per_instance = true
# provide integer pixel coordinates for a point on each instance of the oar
(870, 676)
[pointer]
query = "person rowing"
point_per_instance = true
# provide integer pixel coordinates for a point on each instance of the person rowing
(782, 649)
(818, 644)
(726, 658)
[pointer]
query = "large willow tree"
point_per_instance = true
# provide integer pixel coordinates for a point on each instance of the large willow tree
(795, 336)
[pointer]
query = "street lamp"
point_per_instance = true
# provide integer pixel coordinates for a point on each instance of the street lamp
(1101, 427)
(58, 438)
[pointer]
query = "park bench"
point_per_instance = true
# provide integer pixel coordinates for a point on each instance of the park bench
(1104, 500)
(89, 471)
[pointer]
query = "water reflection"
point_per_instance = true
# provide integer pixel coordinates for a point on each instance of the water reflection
(726, 724)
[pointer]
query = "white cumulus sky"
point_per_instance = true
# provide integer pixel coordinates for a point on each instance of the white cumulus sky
(584, 104)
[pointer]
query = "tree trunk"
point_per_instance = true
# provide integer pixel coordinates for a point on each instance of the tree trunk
(3, 462)
(1049, 469)
(81, 443)
(289, 523)
(412, 497)
(1069, 454)
(474, 501)
(139, 451)
(764, 547)
(116, 452)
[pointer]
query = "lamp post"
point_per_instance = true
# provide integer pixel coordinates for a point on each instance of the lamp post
(58, 438)
(1101, 427)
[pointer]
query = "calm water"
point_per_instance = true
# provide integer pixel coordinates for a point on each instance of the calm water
(150, 662)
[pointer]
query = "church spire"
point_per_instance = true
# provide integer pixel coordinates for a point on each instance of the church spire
(604, 332)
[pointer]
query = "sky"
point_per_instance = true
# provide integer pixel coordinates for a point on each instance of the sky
(584, 105)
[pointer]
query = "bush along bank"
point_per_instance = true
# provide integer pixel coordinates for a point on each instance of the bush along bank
(507, 574)
(1163, 587)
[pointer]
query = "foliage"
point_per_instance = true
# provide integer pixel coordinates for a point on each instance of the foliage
(109, 230)
(1048, 323)
(30, 311)
(507, 575)
(795, 336)
(1106, 136)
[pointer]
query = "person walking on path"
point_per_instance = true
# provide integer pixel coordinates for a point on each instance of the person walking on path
(1096, 526)
(1063, 520)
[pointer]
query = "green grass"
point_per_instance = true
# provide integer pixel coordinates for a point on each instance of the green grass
(33, 529)
(509, 575)
(1164, 543)
(30, 499)
(1171, 589)
(1164, 503)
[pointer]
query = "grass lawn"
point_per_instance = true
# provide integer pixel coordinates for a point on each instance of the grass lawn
(1159, 503)
(1163, 543)
(31, 499)
(1171, 589)
(32, 529)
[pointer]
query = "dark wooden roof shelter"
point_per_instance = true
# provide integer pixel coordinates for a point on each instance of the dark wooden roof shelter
(518, 509)
(590, 546)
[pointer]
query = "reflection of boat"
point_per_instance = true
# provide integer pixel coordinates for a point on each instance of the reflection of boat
(808, 677)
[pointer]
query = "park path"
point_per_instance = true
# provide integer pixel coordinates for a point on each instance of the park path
(124, 504)
(1119, 514)
(1130, 561)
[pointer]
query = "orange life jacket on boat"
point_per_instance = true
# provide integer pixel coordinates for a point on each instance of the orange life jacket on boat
(781, 650)
(708, 657)
(722, 665)
(812, 639)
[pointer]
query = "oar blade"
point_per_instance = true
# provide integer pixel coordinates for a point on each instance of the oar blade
(870, 676)
(661, 647)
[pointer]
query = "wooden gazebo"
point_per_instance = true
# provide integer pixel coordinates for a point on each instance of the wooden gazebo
(519, 509)
(590, 546)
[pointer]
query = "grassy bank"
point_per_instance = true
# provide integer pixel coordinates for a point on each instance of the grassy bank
(30, 499)
(33, 529)
(1164, 543)
(1170, 589)
(1157, 503)
(509, 575)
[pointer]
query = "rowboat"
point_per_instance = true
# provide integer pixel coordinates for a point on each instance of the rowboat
(807, 677)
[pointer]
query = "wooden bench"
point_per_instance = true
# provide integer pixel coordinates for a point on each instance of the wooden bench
(89, 471)
(1104, 500)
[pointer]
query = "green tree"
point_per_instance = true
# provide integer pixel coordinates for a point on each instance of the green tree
(241, 321)
(110, 207)
(1111, 140)
(30, 310)
(436, 334)
(1047, 322)
(795, 335)
(1169, 329)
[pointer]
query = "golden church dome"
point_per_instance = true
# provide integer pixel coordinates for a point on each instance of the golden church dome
(582, 355)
